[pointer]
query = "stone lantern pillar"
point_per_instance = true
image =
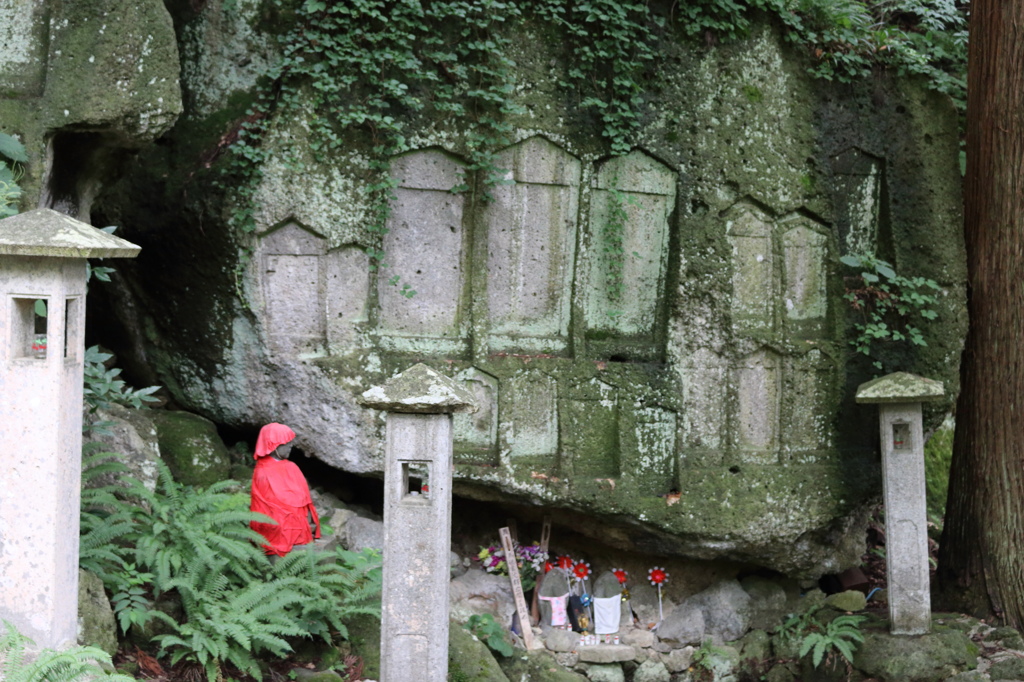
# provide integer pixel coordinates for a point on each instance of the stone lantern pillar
(899, 398)
(417, 520)
(42, 259)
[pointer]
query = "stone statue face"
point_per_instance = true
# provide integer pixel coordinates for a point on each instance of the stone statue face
(283, 451)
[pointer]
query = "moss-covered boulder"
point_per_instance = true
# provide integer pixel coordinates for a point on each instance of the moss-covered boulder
(1009, 668)
(927, 658)
(96, 624)
(850, 600)
(537, 666)
(191, 448)
(469, 659)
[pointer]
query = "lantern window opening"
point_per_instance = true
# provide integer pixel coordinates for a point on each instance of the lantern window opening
(29, 327)
(415, 481)
(72, 329)
(901, 438)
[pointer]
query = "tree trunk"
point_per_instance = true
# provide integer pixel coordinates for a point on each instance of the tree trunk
(982, 550)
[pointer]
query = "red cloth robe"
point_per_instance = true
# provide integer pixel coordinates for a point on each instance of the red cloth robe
(280, 491)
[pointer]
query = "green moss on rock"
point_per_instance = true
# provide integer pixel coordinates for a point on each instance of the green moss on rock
(191, 448)
(471, 657)
(96, 625)
(364, 636)
(537, 666)
(927, 658)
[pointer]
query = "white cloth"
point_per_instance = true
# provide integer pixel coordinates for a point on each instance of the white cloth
(607, 611)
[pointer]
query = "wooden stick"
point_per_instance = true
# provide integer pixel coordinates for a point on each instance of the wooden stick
(517, 587)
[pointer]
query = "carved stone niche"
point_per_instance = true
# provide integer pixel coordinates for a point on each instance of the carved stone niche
(754, 290)
(476, 433)
(648, 448)
(705, 413)
(804, 250)
(758, 396)
(589, 430)
(348, 289)
(633, 198)
(806, 432)
(857, 184)
(426, 248)
(531, 247)
(528, 408)
(293, 277)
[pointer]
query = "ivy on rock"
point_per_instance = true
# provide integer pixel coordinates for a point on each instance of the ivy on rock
(375, 67)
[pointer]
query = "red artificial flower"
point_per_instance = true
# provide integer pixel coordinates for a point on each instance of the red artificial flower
(621, 575)
(657, 575)
(581, 570)
(565, 562)
(548, 566)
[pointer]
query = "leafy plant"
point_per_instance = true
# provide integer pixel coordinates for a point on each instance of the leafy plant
(705, 658)
(225, 625)
(611, 42)
(77, 664)
(12, 155)
(196, 543)
(131, 605)
(104, 387)
(490, 632)
(106, 521)
(888, 305)
(823, 640)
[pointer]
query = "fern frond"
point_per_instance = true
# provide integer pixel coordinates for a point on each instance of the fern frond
(77, 664)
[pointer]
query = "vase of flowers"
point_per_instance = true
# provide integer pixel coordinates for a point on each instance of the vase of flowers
(529, 559)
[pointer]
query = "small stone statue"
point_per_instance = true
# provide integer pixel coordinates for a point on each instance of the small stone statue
(280, 491)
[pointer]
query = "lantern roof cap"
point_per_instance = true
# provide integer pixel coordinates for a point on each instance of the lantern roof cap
(45, 232)
(422, 390)
(899, 387)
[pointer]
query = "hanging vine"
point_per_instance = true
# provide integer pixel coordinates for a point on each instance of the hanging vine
(371, 67)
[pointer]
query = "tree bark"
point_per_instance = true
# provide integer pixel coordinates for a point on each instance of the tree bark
(981, 564)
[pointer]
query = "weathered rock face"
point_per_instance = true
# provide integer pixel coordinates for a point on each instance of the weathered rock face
(718, 371)
(82, 83)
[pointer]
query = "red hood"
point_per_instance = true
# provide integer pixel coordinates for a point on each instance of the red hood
(271, 436)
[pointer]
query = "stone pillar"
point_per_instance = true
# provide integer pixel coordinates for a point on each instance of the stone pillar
(42, 259)
(899, 398)
(417, 520)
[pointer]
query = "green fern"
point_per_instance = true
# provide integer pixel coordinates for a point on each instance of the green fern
(335, 587)
(841, 634)
(179, 524)
(107, 517)
(196, 543)
(78, 664)
(226, 625)
(819, 639)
